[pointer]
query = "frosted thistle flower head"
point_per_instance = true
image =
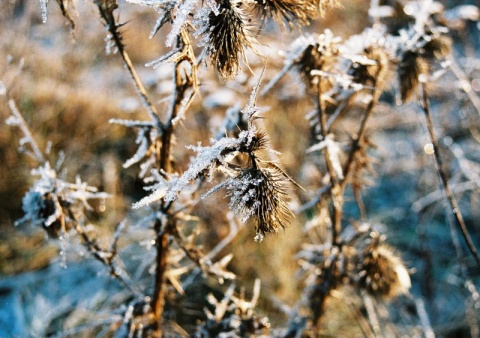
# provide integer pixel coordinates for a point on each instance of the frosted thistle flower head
(261, 193)
(50, 210)
(416, 59)
(318, 54)
(226, 34)
(287, 13)
(382, 273)
(373, 71)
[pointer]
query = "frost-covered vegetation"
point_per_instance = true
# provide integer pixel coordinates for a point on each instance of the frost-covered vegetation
(321, 184)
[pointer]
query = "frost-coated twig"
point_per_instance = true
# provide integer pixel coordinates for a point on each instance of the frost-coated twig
(372, 315)
(163, 228)
(106, 9)
(357, 144)
(422, 314)
(444, 178)
(107, 258)
(20, 122)
(461, 76)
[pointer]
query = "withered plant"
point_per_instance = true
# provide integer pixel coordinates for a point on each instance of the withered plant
(344, 88)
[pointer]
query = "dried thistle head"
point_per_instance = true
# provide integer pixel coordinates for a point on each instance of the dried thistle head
(381, 272)
(323, 5)
(320, 54)
(254, 141)
(263, 194)
(438, 47)
(416, 61)
(374, 72)
(287, 13)
(226, 35)
(411, 66)
(50, 210)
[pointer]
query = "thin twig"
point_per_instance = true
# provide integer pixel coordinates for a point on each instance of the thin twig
(357, 144)
(444, 178)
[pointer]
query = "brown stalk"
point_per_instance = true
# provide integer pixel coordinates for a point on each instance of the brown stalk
(182, 85)
(357, 143)
(444, 177)
(163, 231)
(336, 191)
(106, 8)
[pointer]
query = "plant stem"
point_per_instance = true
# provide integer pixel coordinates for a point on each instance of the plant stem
(360, 137)
(444, 178)
(163, 231)
(335, 192)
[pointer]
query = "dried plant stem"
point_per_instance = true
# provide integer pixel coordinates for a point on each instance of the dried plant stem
(335, 192)
(23, 126)
(357, 143)
(163, 231)
(107, 258)
(106, 12)
(444, 178)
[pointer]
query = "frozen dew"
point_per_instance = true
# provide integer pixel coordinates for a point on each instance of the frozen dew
(43, 7)
(258, 237)
(181, 19)
(428, 149)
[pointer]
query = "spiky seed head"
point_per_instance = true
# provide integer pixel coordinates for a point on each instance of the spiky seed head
(48, 209)
(372, 74)
(437, 48)
(226, 36)
(323, 5)
(382, 273)
(257, 141)
(411, 66)
(261, 193)
(287, 13)
(320, 55)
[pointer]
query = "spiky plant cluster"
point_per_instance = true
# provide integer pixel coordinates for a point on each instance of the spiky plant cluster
(320, 53)
(287, 13)
(373, 72)
(233, 316)
(261, 193)
(362, 260)
(415, 61)
(226, 35)
(52, 211)
(380, 272)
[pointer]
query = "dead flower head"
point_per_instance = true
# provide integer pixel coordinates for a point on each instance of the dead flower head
(382, 273)
(319, 54)
(261, 193)
(374, 73)
(287, 13)
(416, 61)
(226, 35)
(52, 211)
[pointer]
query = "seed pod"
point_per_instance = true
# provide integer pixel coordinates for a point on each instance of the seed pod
(226, 36)
(382, 273)
(409, 69)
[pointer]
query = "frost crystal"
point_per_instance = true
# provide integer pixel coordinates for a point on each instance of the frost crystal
(207, 156)
(181, 18)
(43, 6)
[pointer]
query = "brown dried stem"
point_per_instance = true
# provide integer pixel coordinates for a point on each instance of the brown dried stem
(444, 177)
(163, 231)
(336, 192)
(357, 143)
